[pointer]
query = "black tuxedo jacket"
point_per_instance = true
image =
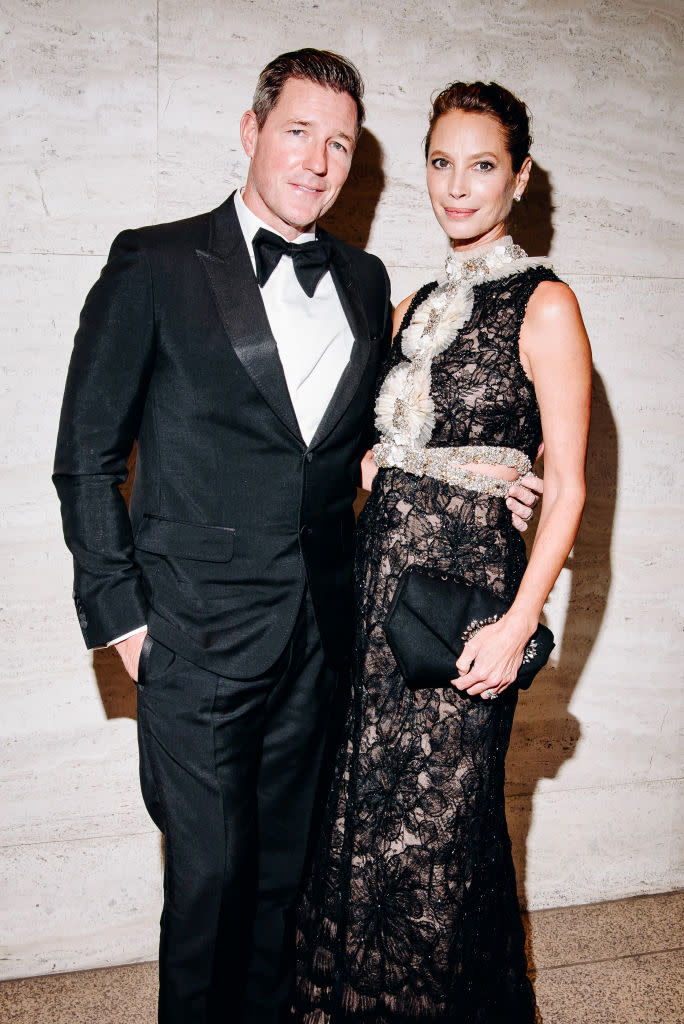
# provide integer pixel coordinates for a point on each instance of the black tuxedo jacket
(231, 514)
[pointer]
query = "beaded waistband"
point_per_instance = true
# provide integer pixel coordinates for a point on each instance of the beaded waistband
(446, 464)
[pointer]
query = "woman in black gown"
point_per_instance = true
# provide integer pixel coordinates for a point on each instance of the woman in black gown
(410, 911)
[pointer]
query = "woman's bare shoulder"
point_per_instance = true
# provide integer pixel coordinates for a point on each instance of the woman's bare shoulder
(553, 300)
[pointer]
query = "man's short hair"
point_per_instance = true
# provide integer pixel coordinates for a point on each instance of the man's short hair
(320, 66)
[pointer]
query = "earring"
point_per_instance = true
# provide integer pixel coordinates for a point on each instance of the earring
(517, 198)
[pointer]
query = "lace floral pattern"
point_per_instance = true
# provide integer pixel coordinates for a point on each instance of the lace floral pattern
(410, 911)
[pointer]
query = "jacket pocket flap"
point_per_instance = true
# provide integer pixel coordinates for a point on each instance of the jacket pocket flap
(185, 540)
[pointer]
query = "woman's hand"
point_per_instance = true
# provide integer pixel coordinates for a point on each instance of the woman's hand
(491, 659)
(368, 471)
(523, 497)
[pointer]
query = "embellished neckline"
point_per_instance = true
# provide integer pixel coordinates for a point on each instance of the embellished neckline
(404, 410)
(486, 262)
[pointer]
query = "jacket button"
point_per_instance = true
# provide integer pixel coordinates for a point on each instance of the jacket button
(305, 531)
(309, 457)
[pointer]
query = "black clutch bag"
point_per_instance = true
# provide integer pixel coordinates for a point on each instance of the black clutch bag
(430, 620)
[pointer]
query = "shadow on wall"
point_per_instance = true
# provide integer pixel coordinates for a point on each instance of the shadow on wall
(352, 215)
(531, 221)
(545, 732)
(117, 690)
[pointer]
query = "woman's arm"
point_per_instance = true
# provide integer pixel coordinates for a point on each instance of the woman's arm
(555, 352)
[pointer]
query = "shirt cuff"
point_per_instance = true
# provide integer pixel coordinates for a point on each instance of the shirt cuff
(118, 639)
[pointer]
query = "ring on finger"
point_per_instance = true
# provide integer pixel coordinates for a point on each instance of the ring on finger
(490, 694)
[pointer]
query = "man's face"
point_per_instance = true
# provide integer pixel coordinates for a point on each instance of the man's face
(300, 157)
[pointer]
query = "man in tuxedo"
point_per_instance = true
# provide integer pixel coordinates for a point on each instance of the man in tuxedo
(240, 349)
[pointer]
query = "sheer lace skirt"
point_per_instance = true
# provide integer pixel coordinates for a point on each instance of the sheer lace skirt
(410, 910)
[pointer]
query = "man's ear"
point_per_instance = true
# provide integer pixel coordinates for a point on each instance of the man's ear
(249, 131)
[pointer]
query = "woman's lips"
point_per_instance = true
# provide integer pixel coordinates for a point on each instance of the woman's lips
(452, 212)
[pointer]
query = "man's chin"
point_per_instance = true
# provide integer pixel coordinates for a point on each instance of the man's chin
(304, 215)
(307, 221)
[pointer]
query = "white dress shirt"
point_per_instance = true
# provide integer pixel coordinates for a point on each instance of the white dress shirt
(313, 336)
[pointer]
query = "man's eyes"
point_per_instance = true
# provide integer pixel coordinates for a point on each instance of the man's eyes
(335, 143)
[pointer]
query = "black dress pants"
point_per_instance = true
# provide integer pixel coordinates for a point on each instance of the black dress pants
(228, 770)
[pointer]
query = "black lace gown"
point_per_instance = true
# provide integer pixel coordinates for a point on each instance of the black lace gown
(410, 912)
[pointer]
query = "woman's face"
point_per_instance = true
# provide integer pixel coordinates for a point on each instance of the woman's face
(470, 178)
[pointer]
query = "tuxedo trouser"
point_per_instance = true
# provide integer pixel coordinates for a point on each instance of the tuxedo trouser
(228, 771)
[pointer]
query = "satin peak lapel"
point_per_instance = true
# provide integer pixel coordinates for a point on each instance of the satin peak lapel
(235, 289)
(349, 293)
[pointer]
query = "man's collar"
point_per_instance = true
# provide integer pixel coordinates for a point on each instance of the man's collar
(250, 224)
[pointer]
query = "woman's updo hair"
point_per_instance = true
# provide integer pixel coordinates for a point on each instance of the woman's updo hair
(492, 99)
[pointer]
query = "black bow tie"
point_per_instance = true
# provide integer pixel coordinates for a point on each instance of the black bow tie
(310, 259)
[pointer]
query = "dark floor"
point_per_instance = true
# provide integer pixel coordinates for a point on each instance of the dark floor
(604, 963)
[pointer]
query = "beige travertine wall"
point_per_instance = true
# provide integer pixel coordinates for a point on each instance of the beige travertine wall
(120, 114)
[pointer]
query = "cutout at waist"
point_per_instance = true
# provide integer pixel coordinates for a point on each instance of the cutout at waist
(487, 469)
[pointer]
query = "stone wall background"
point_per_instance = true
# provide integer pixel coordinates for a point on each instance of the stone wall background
(119, 115)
